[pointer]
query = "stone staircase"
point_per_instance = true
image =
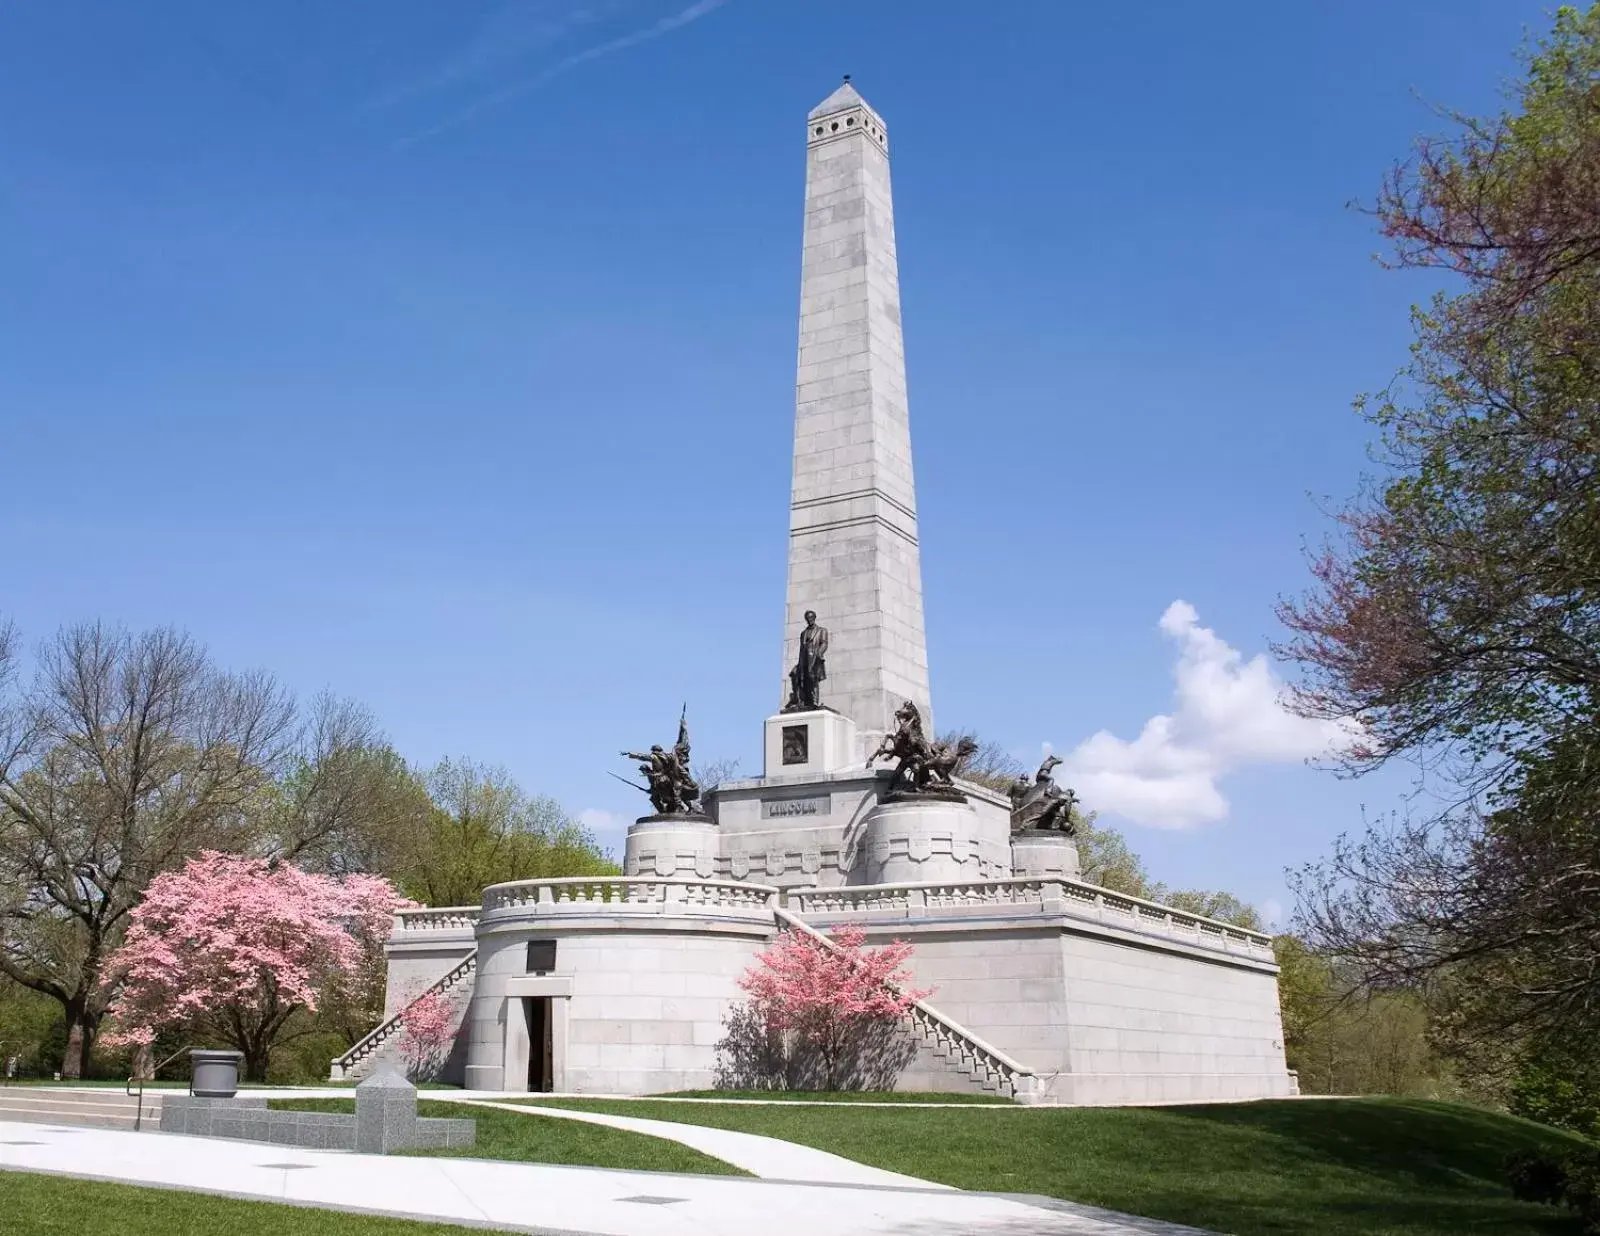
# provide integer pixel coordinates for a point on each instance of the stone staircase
(949, 1056)
(383, 1042)
(101, 1108)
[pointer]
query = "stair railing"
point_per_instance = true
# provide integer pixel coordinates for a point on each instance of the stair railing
(1006, 1073)
(373, 1041)
(138, 1114)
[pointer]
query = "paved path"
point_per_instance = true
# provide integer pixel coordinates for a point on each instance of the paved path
(767, 1157)
(556, 1201)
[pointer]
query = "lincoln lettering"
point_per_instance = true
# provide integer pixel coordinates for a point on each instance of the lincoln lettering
(788, 807)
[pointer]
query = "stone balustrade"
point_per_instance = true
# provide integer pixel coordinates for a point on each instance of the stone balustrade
(1030, 895)
(631, 895)
(347, 1066)
(441, 918)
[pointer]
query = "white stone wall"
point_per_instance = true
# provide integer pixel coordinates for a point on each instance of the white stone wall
(853, 553)
(414, 965)
(666, 847)
(1103, 1020)
(792, 831)
(1143, 1024)
(914, 842)
(1006, 986)
(645, 1012)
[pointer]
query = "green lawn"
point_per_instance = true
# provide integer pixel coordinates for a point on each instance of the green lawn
(39, 1205)
(1362, 1167)
(535, 1139)
(839, 1096)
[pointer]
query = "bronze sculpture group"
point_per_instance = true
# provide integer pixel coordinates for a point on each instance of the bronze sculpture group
(672, 790)
(1041, 803)
(925, 767)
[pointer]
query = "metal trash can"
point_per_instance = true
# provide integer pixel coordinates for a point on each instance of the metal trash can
(215, 1073)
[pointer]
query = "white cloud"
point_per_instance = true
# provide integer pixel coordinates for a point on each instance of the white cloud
(1227, 713)
(609, 828)
(1271, 913)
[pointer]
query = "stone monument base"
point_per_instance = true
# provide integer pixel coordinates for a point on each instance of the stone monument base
(809, 743)
(667, 845)
(1044, 852)
(916, 838)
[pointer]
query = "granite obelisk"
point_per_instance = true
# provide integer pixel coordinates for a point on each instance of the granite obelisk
(853, 511)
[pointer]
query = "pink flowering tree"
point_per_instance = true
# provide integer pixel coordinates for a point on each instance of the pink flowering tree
(428, 1030)
(828, 991)
(231, 949)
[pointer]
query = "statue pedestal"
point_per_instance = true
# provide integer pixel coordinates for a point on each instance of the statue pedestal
(1039, 853)
(671, 845)
(911, 839)
(809, 743)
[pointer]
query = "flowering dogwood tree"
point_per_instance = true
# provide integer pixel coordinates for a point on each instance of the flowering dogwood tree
(428, 1030)
(232, 948)
(828, 990)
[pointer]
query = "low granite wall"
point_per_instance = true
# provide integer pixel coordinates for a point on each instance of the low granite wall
(385, 1121)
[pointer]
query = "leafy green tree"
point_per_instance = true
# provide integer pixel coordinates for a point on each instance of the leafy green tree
(1342, 1038)
(126, 755)
(1458, 620)
(1224, 907)
(1561, 1088)
(28, 1019)
(1108, 861)
(483, 829)
(342, 795)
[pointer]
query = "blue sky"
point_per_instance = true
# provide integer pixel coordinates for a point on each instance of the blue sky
(443, 355)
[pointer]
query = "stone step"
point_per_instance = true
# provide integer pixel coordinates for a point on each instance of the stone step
(95, 1109)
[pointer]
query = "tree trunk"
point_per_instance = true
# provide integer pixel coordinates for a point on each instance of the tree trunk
(256, 1056)
(72, 1063)
(81, 1028)
(144, 1061)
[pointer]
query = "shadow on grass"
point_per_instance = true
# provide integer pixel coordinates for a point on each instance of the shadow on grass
(1432, 1145)
(1365, 1167)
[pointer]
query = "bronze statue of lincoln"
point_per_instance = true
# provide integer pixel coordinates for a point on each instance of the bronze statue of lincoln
(810, 668)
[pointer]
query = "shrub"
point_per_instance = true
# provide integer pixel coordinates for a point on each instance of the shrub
(1535, 1177)
(1572, 1180)
(839, 999)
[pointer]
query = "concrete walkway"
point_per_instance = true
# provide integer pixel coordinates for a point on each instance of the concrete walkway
(767, 1157)
(554, 1201)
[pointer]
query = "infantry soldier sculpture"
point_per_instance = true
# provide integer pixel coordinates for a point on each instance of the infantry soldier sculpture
(672, 790)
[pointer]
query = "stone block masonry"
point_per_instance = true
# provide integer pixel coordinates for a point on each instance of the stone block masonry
(853, 553)
(385, 1121)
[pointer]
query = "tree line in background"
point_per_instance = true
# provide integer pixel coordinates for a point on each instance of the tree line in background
(1457, 614)
(126, 755)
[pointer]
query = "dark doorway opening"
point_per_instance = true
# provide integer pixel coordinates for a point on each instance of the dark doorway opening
(541, 1045)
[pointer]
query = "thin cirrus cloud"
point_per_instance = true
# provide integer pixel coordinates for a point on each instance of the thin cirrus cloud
(503, 39)
(484, 58)
(1228, 713)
